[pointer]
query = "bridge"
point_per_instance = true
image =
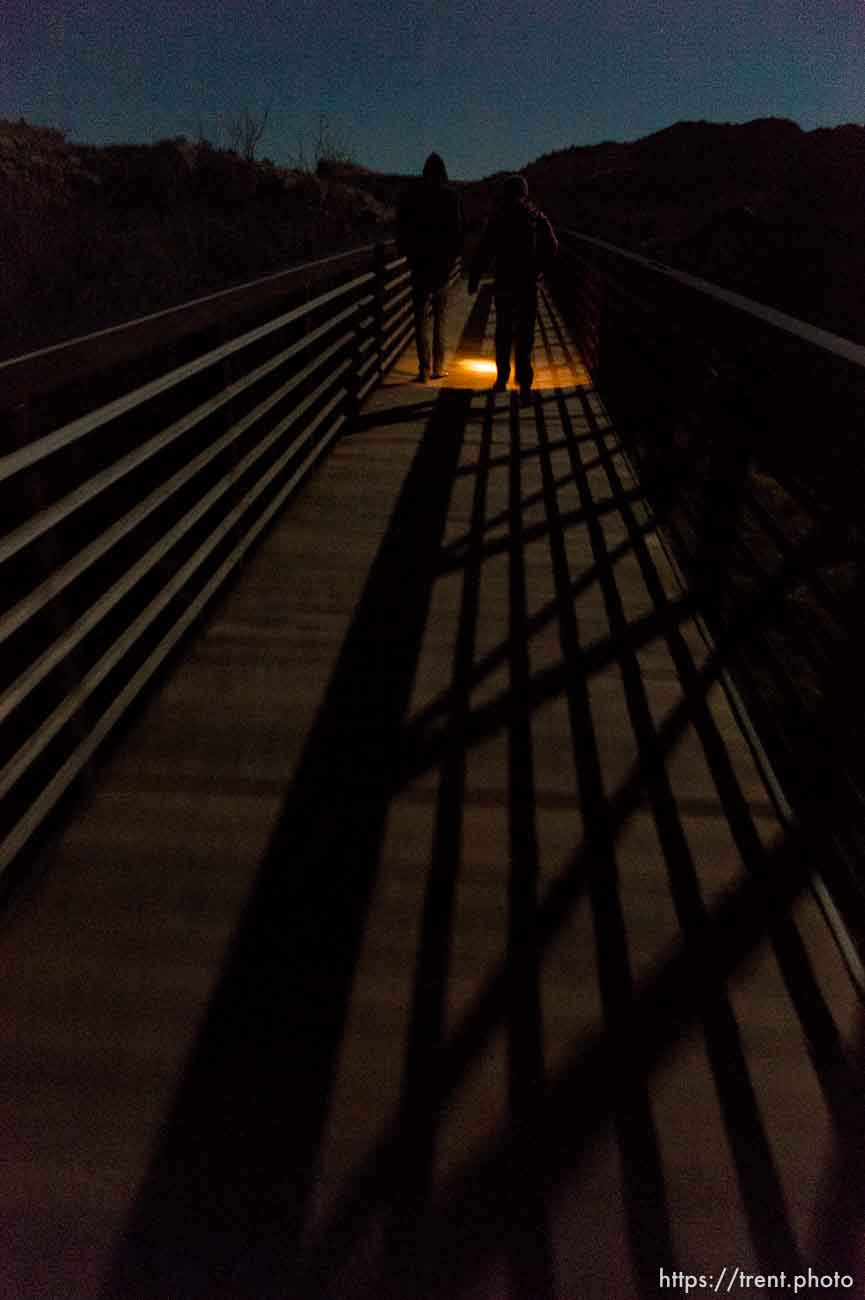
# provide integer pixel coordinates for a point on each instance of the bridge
(431, 824)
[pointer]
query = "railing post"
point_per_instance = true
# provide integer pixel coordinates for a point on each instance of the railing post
(229, 371)
(843, 686)
(48, 559)
(378, 306)
(352, 381)
(727, 477)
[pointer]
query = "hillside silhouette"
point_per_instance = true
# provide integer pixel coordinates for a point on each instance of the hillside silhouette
(764, 208)
(93, 236)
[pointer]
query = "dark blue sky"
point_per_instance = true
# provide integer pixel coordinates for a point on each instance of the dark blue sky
(489, 88)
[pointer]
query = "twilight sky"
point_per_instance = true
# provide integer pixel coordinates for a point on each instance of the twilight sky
(489, 88)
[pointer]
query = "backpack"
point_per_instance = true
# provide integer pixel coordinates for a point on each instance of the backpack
(429, 226)
(517, 258)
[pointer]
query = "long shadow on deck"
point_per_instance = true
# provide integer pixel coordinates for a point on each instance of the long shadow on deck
(223, 1209)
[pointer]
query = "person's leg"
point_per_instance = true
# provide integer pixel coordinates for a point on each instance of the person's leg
(420, 303)
(524, 336)
(439, 321)
(504, 335)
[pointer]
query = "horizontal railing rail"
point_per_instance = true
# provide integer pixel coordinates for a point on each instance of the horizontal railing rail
(138, 466)
(746, 424)
(28, 376)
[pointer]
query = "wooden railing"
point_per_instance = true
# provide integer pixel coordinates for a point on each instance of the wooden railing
(747, 426)
(137, 467)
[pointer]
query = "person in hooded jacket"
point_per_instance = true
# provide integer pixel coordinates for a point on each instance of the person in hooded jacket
(519, 244)
(429, 233)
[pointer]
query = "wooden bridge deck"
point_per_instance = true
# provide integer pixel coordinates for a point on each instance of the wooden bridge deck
(423, 936)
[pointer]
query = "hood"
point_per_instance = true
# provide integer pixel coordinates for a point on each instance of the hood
(434, 170)
(515, 189)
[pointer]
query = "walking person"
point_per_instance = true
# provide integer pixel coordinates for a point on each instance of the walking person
(519, 244)
(429, 233)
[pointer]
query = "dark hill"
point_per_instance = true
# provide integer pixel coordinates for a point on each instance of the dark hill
(764, 208)
(91, 237)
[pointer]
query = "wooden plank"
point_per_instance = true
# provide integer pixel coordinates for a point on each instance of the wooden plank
(567, 807)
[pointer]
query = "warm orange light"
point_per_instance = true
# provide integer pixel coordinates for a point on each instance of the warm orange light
(477, 366)
(562, 375)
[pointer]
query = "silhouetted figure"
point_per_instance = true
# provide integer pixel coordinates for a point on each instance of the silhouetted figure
(429, 233)
(519, 244)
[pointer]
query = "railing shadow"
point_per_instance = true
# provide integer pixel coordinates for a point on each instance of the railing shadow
(745, 424)
(223, 1210)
